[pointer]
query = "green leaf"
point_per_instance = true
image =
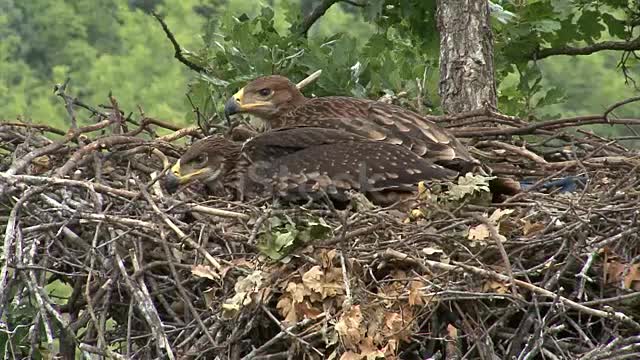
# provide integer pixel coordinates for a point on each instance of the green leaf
(59, 291)
(276, 245)
(468, 185)
(213, 80)
(590, 26)
(286, 233)
(547, 25)
(616, 27)
(315, 230)
(554, 95)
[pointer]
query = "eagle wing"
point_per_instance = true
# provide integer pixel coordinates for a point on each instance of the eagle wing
(280, 142)
(380, 122)
(314, 161)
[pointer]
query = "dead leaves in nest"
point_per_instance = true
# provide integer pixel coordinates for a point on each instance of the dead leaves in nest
(365, 330)
(495, 286)
(368, 330)
(373, 333)
(506, 225)
(481, 234)
(530, 229)
(304, 299)
(40, 165)
(249, 289)
(618, 272)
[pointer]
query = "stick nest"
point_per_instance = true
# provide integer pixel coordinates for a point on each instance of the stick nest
(99, 260)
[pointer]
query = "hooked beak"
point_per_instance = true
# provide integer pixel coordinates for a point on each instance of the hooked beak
(233, 105)
(172, 179)
(175, 178)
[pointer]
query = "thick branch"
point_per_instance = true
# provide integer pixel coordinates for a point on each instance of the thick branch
(632, 45)
(179, 53)
(319, 11)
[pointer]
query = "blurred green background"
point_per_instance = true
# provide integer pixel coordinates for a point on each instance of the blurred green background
(115, 45)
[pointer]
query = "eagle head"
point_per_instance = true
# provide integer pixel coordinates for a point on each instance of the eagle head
(265, 97)
(207, 160)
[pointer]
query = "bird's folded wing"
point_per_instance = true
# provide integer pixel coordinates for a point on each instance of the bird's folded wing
(360, 165)
(380, 122)
(277, 143)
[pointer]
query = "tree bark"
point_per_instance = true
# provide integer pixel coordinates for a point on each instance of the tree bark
(467, 76)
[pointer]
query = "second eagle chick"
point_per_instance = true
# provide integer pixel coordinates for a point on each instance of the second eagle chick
(303, 163)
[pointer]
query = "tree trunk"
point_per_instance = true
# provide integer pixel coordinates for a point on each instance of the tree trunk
(467, 80)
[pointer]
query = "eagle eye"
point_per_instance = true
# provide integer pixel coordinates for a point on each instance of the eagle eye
(264, 92)
(201, 159)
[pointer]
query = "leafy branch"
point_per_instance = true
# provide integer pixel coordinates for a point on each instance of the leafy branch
(632, 45)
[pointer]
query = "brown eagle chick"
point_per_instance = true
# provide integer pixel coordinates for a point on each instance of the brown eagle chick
(305, 163)
(280, 104)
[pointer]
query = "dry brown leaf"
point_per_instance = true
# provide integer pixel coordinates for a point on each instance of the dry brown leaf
(327, 258)
(397, 325)
(205, 271)
(287, 309)
(632, 280)
(326, 283)
(531, 228)
(245, 289)
(391, 350)
(375, 319)
(496, 287)
(390, 292)
(350, 355)
(498, 214)
(40, 165)
(615, 271)
(399, 274)
(297, 302)
(369, 350)
(242, 262)
(307, 309)
(415, 293)
(297, 291)
(350, 327)
(393, 321)
(479, 232)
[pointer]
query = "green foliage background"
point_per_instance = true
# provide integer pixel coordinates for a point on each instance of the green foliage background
(386, 47)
